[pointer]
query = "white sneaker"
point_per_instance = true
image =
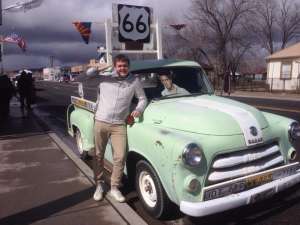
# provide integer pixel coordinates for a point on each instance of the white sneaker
(98, 195)
(117, 195)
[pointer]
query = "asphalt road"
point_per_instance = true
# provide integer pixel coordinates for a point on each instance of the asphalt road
(283, 209)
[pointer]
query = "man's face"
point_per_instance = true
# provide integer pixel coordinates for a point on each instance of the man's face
(166, 81)
(122, 68)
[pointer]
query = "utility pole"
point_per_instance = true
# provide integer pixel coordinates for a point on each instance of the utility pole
(1, 39)
(51, 61)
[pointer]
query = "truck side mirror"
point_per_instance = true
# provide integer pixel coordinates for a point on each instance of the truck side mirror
(80, 90)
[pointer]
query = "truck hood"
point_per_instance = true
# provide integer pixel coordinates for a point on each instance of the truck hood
(209, 115)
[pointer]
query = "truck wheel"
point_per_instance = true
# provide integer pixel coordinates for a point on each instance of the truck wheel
(83, 154)
(150, 190)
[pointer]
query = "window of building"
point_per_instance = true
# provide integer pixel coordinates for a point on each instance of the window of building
(286, 70)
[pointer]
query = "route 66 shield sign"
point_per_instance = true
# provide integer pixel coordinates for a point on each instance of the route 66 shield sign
(134, 23)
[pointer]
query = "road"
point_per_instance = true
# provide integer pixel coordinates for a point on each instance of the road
(54, 98)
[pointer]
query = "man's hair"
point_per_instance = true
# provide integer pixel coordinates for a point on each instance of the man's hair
(122, 58)
(167, 75)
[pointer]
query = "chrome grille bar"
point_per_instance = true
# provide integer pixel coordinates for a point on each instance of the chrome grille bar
(234, 173)
(241, 157)
(232, 165)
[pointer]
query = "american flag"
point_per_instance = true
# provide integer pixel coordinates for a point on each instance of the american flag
(14, 38)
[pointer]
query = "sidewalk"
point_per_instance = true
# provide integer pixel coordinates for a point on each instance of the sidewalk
(40, 184)
(266, 95)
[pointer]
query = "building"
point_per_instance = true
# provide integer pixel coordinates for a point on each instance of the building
(283, 69)
(77, 69)
(51, 73)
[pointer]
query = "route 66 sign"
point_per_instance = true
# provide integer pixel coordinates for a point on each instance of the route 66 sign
(134, 23)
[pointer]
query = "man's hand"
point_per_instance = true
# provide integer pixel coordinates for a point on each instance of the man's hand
(135, 113)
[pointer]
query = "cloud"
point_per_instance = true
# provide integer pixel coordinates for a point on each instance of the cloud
(48, 29)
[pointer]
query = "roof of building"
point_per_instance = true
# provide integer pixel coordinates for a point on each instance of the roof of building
(290, 52)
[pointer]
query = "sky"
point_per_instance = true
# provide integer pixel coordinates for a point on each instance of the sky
(48, 29)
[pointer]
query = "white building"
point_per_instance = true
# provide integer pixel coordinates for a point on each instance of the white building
(51, 73)
(284, 69)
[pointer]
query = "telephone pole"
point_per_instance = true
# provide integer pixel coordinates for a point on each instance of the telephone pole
(1, 39)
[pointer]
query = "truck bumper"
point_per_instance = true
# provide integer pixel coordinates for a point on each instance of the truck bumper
(236, 200)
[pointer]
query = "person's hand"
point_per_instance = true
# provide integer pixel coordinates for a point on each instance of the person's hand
(135, 113)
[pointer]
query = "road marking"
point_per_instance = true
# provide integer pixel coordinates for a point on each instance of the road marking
(277, 109)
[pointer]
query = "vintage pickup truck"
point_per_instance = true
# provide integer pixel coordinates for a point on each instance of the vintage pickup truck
(204, 153)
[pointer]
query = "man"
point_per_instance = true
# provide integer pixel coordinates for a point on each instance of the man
(101, 54)
(170, 87)
(113, 105)
(26, 90)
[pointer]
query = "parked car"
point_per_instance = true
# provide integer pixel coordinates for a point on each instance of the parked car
(205, 153)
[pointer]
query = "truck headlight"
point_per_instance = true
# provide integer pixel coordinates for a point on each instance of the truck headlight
(294, 130)
(192, 155)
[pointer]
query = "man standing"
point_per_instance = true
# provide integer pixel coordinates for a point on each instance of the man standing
(113, 105)
(26, 90)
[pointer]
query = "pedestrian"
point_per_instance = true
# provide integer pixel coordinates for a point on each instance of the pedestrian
(114, 99)
(101, 54)
(26, 90)
(6, 92)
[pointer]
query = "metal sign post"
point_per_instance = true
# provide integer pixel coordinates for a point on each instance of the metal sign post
(108, 37)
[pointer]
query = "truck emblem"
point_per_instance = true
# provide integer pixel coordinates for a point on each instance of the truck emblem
(253, 131)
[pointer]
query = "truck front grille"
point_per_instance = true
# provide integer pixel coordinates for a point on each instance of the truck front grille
(238, 164)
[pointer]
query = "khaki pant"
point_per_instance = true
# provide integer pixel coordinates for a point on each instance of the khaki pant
(118, 134)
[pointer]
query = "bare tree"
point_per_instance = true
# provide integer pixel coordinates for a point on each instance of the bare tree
(184, 40)
(224, 21)
(264, 24)
(289, 21)
(276, 23)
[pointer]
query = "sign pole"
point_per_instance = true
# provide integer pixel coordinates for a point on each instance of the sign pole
(158, 41)
(1, 40)
(108, 30)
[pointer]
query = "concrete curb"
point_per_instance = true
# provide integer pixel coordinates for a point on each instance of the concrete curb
(127, 213)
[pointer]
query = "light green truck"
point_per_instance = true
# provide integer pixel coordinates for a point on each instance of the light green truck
(204, 153)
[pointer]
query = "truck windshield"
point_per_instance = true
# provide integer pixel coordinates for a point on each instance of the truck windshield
(188, 82)
(174, 82)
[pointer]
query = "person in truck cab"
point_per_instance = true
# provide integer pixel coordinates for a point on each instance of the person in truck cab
(114, 98)
(170, 87)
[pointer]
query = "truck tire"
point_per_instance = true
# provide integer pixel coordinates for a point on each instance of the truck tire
(150, 190)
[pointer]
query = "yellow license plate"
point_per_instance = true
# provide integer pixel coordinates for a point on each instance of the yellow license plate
(258, 180)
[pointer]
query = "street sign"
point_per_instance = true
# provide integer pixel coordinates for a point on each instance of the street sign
(134, 23)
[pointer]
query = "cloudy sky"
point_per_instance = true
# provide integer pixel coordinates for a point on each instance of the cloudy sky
(48, 29)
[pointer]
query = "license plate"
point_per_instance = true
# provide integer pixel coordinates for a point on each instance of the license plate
(262, 195)
(258, 180)
(247, 183)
